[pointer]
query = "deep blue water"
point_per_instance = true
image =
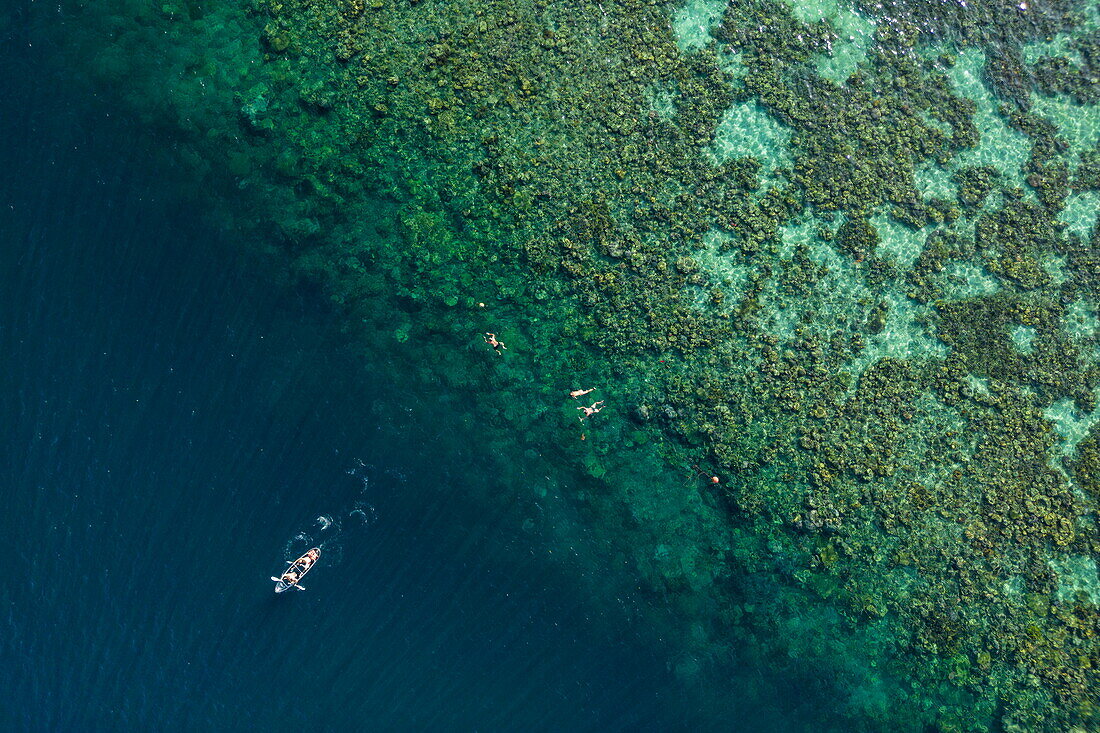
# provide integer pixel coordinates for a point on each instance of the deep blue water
(170, 423)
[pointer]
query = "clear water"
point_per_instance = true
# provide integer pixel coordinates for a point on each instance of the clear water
(904, 533)
(172, 430)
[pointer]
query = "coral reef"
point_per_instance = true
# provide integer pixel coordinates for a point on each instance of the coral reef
(854, 297)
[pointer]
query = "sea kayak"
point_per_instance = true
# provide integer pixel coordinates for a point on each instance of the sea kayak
(293, 575)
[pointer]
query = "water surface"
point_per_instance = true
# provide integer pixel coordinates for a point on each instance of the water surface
(173, 426)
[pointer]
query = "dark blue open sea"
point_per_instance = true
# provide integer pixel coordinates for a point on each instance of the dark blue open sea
(173, 428)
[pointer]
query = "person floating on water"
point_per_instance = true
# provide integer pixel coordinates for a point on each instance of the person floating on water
(491, 339)
(581, 392)
(591, 410)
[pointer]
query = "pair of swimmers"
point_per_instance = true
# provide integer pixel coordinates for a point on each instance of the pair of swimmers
(591, 409)
(586, 411)
(499, 347)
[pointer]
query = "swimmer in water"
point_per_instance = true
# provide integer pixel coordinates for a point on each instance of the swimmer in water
(492, 340)
(590, 411)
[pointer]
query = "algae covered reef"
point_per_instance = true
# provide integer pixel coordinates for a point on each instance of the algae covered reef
(845, 257)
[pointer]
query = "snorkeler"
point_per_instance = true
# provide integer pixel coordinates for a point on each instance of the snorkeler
(491, 339)
(590, 411)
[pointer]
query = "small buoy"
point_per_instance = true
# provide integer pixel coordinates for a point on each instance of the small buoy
(480, 305)
(714, 480)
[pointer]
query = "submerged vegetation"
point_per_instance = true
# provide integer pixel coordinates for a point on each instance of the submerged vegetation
(846, 258)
